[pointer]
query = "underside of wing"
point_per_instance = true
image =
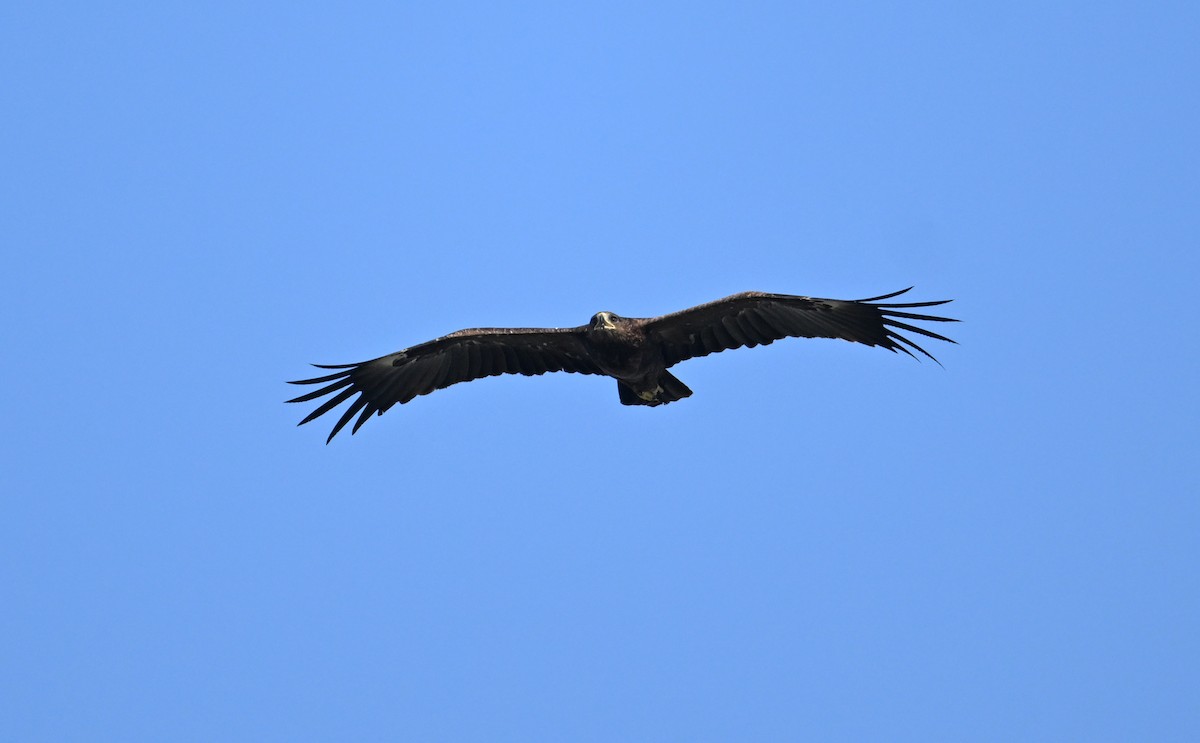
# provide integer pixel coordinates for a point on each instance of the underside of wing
(458, 357)
(756, 318)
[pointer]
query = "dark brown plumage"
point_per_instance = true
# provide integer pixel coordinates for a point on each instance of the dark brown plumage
(635, 351)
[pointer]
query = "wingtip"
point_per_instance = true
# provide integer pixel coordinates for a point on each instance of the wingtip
(887, 296)
(321, 366)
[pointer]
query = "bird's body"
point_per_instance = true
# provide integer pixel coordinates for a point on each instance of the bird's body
(622, 349)
(635, 351)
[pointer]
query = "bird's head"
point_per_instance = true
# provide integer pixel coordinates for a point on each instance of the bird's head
(604, 321)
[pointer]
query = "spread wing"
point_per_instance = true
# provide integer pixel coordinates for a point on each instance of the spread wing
(755, 318)
(458, 357)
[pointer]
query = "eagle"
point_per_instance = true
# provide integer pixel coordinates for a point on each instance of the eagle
(636, 351)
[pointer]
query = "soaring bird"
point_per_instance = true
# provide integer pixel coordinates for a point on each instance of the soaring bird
(636, 351)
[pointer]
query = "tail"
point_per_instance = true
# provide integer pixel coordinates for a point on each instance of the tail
(665, 389)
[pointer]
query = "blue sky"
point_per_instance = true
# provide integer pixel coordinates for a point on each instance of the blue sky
(826, 542)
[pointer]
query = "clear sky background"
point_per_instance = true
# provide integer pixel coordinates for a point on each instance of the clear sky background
(826, 542)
